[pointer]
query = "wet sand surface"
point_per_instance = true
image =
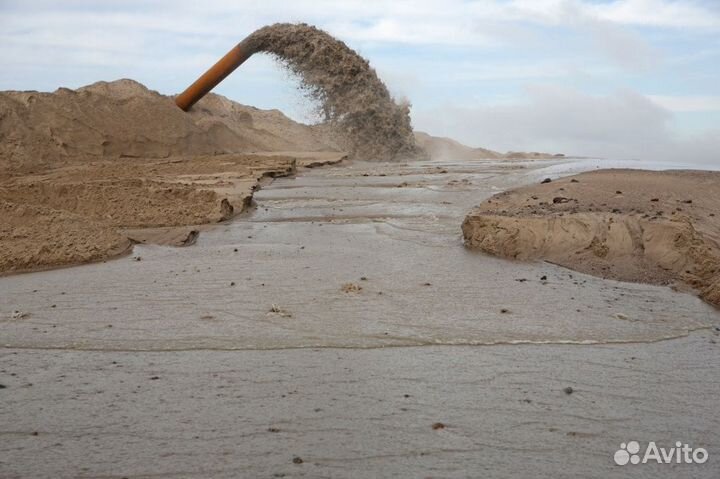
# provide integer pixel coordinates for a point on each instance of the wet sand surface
(346, 262)
(359, 413)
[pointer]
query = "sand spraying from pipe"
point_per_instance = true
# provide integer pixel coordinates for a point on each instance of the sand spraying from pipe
(351, 96)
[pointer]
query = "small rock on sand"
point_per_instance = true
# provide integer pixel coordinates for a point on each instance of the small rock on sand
(190, 239)
(280, 311)
(546, 180)
(438, 425)
(568, 390)
(350, 288)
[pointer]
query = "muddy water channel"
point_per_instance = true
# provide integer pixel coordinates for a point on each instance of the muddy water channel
(364, 255)
(271, 348)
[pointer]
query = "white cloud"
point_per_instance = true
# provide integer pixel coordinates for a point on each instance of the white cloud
(658, 13)
(624, 47)
(86, 33)
(423, 21)
(687, 103)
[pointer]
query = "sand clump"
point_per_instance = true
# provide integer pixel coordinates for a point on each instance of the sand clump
(632, 225)
(35, 237)
(350, 288)
(349, 93)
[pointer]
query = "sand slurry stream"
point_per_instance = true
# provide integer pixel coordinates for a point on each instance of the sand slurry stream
(265, 348)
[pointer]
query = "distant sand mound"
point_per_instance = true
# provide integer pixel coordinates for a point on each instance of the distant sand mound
(441, 148)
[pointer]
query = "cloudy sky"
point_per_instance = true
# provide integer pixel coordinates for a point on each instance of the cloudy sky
(615, 78)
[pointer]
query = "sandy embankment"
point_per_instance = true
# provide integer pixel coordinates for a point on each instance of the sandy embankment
(85, 173)
(658, 227)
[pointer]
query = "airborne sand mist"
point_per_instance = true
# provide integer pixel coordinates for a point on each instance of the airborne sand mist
(351, 95)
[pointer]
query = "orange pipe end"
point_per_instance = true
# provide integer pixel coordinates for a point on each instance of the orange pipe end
(217, 73)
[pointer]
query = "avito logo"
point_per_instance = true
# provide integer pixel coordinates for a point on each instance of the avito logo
(629, 453)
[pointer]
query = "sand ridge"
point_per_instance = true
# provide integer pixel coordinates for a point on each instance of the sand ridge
(657, 227)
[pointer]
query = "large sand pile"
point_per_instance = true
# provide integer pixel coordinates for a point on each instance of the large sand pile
(633, 225)
(349, 92)
(80, 167)
(125, 119)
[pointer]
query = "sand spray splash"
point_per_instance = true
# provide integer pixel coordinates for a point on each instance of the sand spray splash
(351, 97)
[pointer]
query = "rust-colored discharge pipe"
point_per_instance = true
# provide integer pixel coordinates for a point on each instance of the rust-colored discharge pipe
(217, 73)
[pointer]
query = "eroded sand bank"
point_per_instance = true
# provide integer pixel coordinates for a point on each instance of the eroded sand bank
(658, 227)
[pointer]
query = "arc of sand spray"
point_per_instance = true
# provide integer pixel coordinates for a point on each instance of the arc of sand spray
(366, 120)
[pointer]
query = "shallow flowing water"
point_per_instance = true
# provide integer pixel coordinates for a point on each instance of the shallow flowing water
(365, 255)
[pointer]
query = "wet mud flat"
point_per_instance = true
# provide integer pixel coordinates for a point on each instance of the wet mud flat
(328, 331)
(358, 413)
